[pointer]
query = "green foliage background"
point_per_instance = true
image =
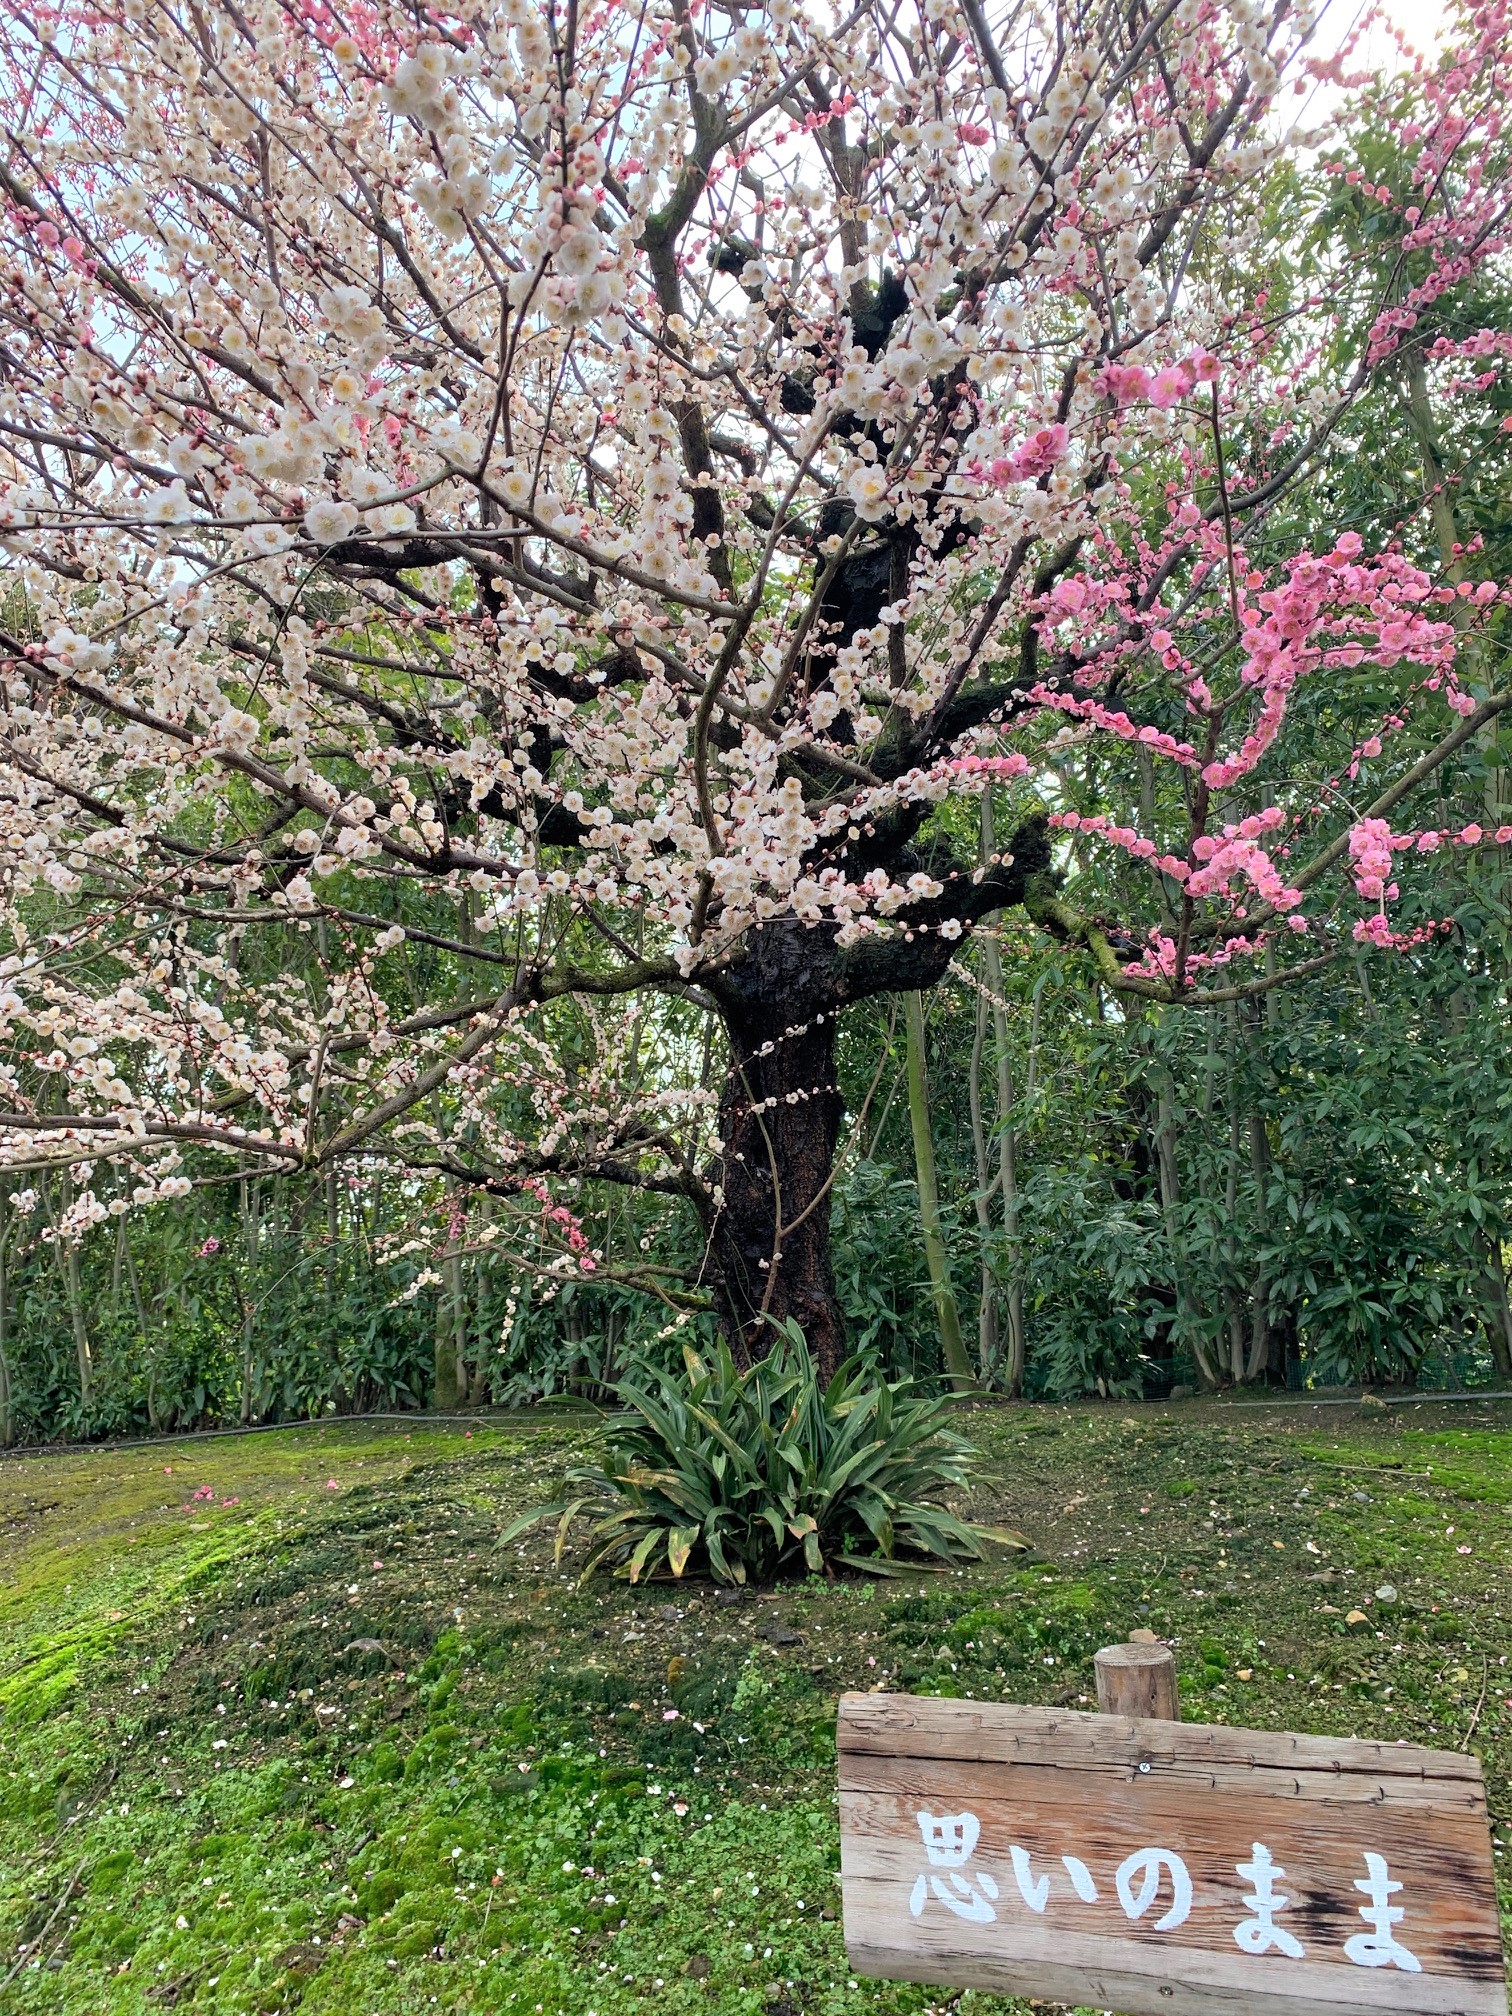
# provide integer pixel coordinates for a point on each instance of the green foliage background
(1326, 1167)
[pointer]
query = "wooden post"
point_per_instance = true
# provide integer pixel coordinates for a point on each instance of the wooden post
(1138, 1680)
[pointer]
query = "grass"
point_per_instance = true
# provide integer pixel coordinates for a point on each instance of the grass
(281, 1728)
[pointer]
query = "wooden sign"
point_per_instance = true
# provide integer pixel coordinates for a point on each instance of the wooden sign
(1161, 1866)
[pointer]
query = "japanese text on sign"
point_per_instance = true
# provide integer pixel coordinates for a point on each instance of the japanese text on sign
(1162, 1868)
(1140, 1881)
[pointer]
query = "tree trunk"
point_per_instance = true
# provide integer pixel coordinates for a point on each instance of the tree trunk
(134, 1282)
(780, 1109)
(457, 1297)
(1012, 1327)
(779, 1123)
(1260, 1350)
(8, 1218)
(333, 1237)
(1284, 1368)
(1238, 1353)
(68, 1255)
(451, 1318)
(477, 1390)
(1169, 1177)
(125, 1262)
(251, 1226)
(444, 1394)
(952, 1343)
(1013, 1360)
(1498, 1316)
(1265, 1360)
(988, 1344)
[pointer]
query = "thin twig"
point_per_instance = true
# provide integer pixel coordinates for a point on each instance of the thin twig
(35, 1946)
(1475, 1718)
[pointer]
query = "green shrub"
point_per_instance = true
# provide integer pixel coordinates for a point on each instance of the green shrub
(746, 1474)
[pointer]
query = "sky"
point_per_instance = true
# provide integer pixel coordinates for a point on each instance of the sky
(1419, 20)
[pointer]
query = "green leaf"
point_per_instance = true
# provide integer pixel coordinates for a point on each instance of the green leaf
(680, 1544)
(648, 1546)
(525, 1521)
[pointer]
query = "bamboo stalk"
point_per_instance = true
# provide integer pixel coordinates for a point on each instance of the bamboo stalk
(987, 1302)
(1007, 1139)
(952, 1343)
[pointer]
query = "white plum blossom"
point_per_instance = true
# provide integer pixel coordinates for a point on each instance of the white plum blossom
(578, 252)
(239, 505)
(171, 505)
(867, 488)
(75, 651)
(331, 520)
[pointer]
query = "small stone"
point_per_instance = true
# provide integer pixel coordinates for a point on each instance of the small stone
(1355, 1620)
(772, 1992)
(778, 1633)
(1386, 1593)
(1245, 1673)
(1361, 1497)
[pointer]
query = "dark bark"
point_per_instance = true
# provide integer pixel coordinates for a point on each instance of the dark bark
(1283, 1365)
(1497, 1313)
(779, 1121)
(781, 1109)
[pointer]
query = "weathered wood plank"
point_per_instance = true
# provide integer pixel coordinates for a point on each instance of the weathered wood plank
(1098, 1973)
(905, 1724)
(1453, 1925)
(867, 1770)
(1097, 1860)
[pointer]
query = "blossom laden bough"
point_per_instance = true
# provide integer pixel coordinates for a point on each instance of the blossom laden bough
(574, 499)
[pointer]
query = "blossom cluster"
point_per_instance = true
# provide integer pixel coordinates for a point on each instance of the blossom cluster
(565, 512)
(1371, 846)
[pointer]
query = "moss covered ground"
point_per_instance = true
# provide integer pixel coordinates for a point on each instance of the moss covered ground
(282, 1728)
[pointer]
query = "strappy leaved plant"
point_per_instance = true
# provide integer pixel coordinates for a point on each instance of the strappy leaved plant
(745, 1474)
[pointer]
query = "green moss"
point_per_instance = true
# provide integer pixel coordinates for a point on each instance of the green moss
(483, 1810)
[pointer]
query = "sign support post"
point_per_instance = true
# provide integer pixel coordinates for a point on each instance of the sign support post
(1138, 1680)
